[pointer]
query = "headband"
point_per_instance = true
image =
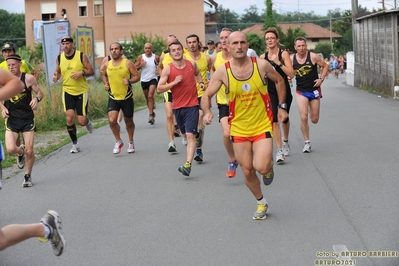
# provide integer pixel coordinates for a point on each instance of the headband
(14, 56)
(67, 39)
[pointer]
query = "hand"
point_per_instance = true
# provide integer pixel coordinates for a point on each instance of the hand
(76, 75)
(125, 81)
(4, 113)
(208, 118)
(33, 104)
(282, 115)
(55, 78)
(106, 86)
(178, 79)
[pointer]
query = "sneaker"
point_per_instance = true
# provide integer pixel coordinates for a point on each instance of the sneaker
(130, 148)
(286, 148)
(53, 221)
(118, 146)
(21, 158)
(199, 157)
(198, 139)
(89, 126)
(27, 181)
(185, 169)
(280, 156)
(177, 132)
(184, 141)
(268, 178)
(260, 213)
(151, 119)
(75, 148)
(307, 148)
(231, 170)
(172, 147)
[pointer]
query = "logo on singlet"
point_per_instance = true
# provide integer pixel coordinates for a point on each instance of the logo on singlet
(246, 87)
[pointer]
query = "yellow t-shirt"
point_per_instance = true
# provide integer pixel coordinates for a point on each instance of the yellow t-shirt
(25, 66)
(69, 66)
(118, 89)
(251, 112)
(202, 65)
(221, 97)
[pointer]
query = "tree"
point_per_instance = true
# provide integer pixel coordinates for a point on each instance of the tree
(257, 43)
(269, 20)
(135, 46)
(227, 19)
(323, 48)
(12, 28)
(287, 40)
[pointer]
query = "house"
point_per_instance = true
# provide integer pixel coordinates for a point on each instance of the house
(116, 20)
(314, 33)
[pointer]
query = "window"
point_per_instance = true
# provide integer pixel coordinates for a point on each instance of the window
(82, 8)
(98, 7)
(124, 7)
(99, 47)
(48, 10)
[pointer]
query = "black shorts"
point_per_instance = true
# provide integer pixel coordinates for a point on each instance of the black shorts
(224, 111)
(17, 125)
(145, 85)
(167, 97)
(76, 102)
(274, 100)
(127, 106)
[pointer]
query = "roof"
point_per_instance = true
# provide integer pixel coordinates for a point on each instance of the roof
(313, 31)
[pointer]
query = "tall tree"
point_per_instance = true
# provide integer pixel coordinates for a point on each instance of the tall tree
(227, 18)
(269, 21)
(12, 28)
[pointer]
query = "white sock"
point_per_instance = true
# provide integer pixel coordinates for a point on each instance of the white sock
(262, 201)
(47, 231)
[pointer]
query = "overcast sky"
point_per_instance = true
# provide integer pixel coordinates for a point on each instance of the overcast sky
(281, 6)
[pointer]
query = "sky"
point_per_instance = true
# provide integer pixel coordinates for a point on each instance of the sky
(305, 6)
(281, 6)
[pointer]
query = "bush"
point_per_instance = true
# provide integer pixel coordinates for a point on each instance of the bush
(135, 46)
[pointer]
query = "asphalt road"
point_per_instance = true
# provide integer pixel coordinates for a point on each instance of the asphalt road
(138, 209)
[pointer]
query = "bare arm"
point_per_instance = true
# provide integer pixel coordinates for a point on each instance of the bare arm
(11, 85)
(316, 59)
(287, 66)
(103, 71)
(163, 85)
(140, 63)
(135, 75)
(89, 71)
(57, 73)
(31, 83)
(160, 65)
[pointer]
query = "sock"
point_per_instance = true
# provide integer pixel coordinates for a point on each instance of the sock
(262, 200)
(285, 140)
(46, 230)
(307, 141)
(72, 133)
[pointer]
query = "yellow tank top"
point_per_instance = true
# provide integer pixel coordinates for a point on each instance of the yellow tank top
(69, 66)
(118, 90)
(202, 65)
(251, 112)
(221, 97)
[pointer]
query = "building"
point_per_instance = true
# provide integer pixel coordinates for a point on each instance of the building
(376, 47)
(314, 33)
(116, 20)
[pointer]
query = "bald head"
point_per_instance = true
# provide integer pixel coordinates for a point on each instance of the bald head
(236, 34)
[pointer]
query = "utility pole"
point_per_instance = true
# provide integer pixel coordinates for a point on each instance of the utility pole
(332, 48)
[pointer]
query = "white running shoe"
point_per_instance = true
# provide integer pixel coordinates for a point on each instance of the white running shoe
(172, 147)
(118, 146)
(184, 141)
(75, 148)
(286, 148)
(307, 148)
(130, 148)
(280, 156)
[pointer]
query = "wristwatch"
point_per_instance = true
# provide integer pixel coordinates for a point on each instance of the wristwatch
(282, 106)
(38, 99)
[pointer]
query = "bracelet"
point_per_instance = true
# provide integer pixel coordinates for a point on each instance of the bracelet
(83, 72)
(38, 99)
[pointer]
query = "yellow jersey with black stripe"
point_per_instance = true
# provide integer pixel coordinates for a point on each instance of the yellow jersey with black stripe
(118, 90)
(69, 66)
(202, 65)
(251, 112)
(221, 97)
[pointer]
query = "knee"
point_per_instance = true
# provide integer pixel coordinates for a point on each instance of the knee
(29, 151)
(169, 116)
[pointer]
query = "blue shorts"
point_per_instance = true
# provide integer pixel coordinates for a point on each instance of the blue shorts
(311, 95)
(187, 119)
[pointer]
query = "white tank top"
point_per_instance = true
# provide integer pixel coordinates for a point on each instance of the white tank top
(148, 72)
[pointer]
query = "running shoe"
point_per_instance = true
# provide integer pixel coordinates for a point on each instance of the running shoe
(184, 141)
(268, 178)
(307, 148)
(21, 158)
(130, 148)
(75, 148)
(27, 181)
(231, 170)
(185, 169)
(89, 126)
(280, 156)
(260, 213)
(151, 119)
(198, 138)
(286, 148)
(199, 157)
(177, 132)
(53, 221)
(118, 146)
(172, 147)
